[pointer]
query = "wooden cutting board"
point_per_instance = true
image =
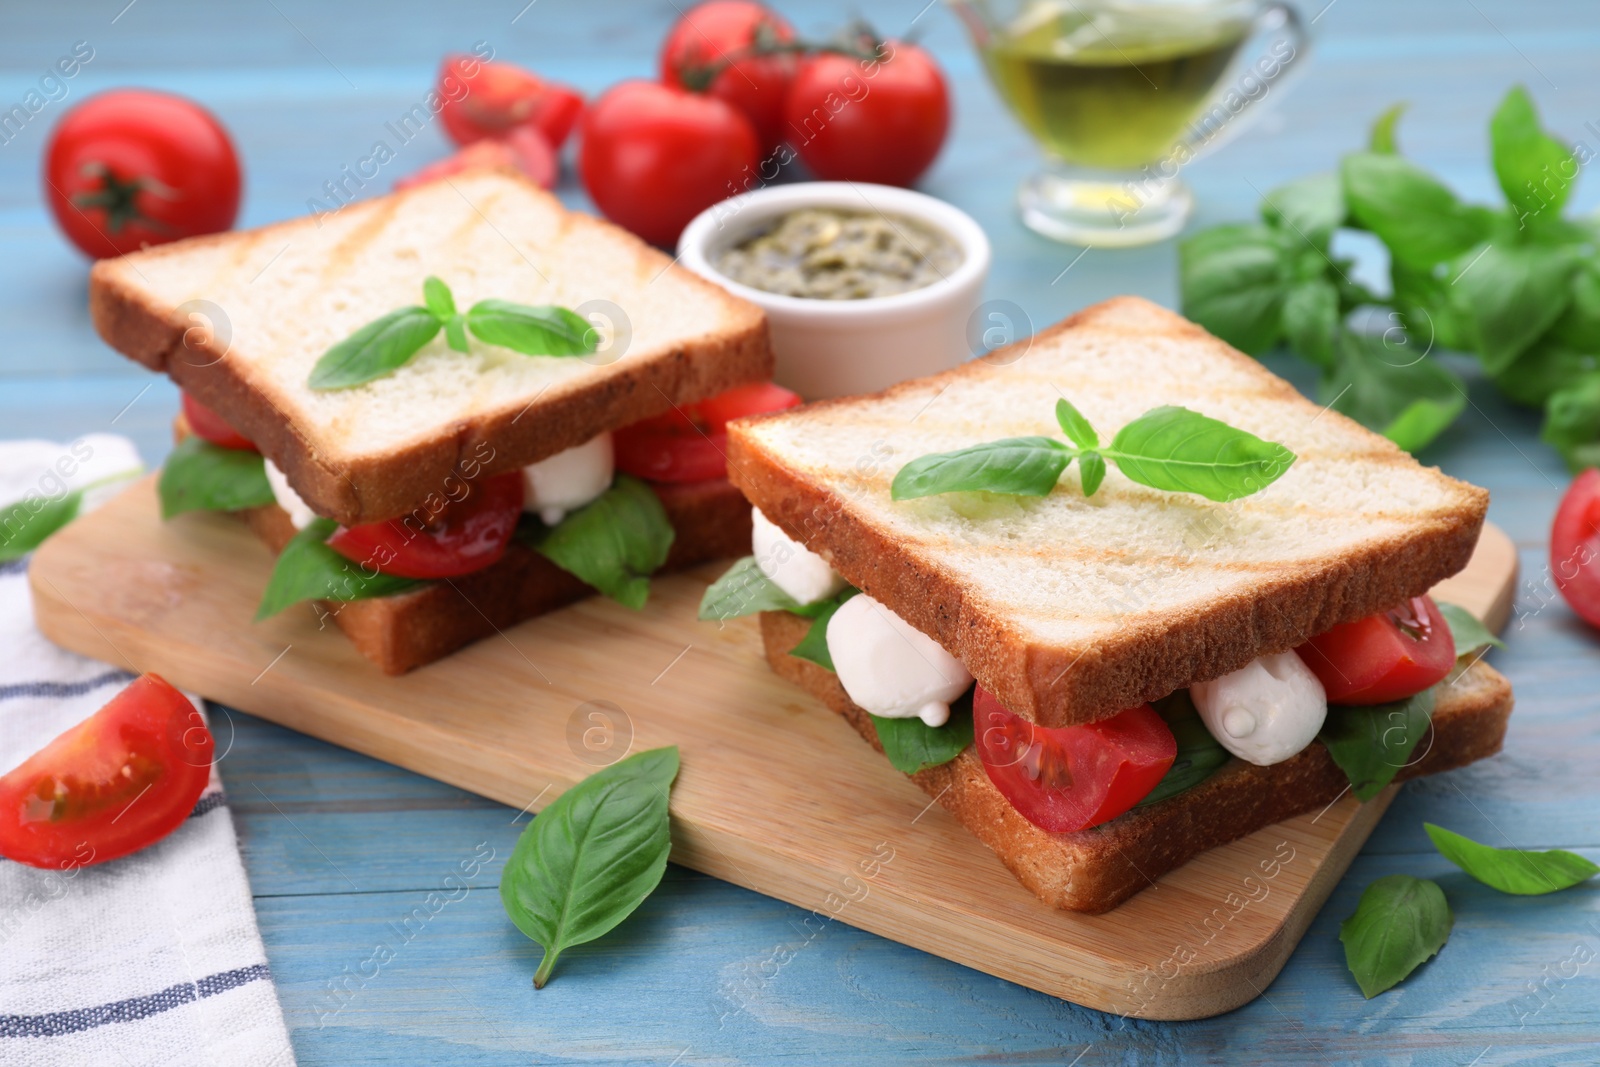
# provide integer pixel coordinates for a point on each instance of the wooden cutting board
(776, 794)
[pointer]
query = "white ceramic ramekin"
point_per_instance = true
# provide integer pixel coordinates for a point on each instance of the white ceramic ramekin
(841, 347)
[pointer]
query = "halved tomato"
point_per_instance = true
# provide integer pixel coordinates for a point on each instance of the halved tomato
(124, 778)
(1575, 546)
(1383, 657)
(466, 536)
(1070, 778)
(500, 97)
(210, 426)
(690, 442)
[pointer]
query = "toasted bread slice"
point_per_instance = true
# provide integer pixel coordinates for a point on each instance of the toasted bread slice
(409, 630)
(239, 320)
(1095, 870)
(1069, 608)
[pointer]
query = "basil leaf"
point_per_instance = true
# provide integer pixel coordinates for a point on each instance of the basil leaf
(1231, 281)
(1579, 325)
(1024, 466)
(455, 333)
(1466, 631)
(1409, 399)
(1400, 923)
(615, 542)
(814, 645)
(912, 745)
(532, 331)
(1199, 754)
(1183, 451)
(1076, 427)
(1535, 170)
(307, 569)
(1420, 219)
(1371, 744)
(1572, 422)
(201, 476)
(1543, 370)
(743, 590)
(1309, 208)
(438, 298)
(1511, 870)
(1510, 294)
(1311, 319)
(1381, 140)
(25, 524)
(377, 349)
(1422, 300)
(590, 859)
(1092, 471)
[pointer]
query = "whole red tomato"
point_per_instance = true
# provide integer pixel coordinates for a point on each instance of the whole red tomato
(881, 119)
(484, 99)
(1575, 546)
(132, 167)
(653, 157)
(725, 48)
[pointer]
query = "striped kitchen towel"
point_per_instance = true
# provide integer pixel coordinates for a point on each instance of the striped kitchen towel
(150, 959)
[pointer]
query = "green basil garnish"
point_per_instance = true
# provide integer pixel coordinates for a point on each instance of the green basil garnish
(591, 858)
(1399, 924)
(814, 645)
(1466, 631)
(744, 590)
(614, 543)
(1512, 870)
(1371, 744)
(25, 524)
(379, 348)
(533, 331)
(307, 569)
(1021, 466)
(201, 476)
(1199, 754)
(912, 745)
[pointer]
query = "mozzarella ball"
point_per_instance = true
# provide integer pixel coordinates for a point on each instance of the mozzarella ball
(1266, 711)
(789, 565)
(890, 668)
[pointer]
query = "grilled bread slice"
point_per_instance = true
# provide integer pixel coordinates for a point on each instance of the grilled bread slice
(1095, 870)
(1068, 608)
(239, 320)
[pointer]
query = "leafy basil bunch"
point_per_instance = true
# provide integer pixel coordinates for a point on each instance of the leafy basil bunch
(1518, 286)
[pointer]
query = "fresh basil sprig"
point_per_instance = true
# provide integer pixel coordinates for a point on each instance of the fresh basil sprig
(614, 543)
(25, 524)
(591, 858)
(814, 645)
(1371, 744)
(201, 476)
(307, 569)
(1168, 448)
(1400, 923)
(912, 745)
(387, 343)
(1466, 631)
(744, 590)
(1512, 870)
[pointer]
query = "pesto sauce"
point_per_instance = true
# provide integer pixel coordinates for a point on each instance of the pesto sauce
(826, 254)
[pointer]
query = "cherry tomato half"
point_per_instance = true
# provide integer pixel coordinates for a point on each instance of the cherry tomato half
(731, 49)
(209, 426)
(468, 535)
(1072, 777)
(124, 778)
(1575, 546)
(131, 167)
(690, 443)
(499, 97)
(524, 150)
(1383, 657)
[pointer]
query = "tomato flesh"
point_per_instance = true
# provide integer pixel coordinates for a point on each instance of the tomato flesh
(209, 426)
(690, 442)
(1384, 657)
(1070, 778)
(499, 97)
(465, 536)
(122, 779)
(1575, 546)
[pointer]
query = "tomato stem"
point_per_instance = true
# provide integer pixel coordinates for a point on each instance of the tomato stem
(119, 198)
(857, 41)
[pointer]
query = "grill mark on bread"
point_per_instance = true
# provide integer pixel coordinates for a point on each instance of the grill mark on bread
(370, 225)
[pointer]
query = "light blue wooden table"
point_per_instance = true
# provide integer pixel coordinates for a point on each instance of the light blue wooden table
(340, 848)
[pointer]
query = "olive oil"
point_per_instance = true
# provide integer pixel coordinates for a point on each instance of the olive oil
(1112, 90)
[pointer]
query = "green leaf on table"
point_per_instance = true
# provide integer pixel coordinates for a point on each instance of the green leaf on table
(1408, 398)
(1371, 744)
(1308, 208)
(814, 645)
(1075, 426)
(1572, 422)
(1183, 451)
(912, 745)
(591, 858)
(744, 590)
(1466, 631)
(1400, 923)
(533, 331)
(307, 569)
(25, 524)
(615, 542)
(1535, 170)
(1023, 466)
(1409, 210)
(1311, 318)
(377, 349)
(1231, 281)
(1507, 295)
(1512, 870)
(201, 476)
(1381, 140)
(1200, 755)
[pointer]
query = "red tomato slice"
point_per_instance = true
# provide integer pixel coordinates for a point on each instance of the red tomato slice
(690, 443)
(523, 150)
(210, 426)
(1575, 546)
(468, 535)
(499, 97)
(1072, 777)
(756, 399)
(1383, 657)
(124, 778)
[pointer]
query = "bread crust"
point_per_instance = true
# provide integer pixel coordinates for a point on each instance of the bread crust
(1137, 661)
(1095, 870)
(373, 488)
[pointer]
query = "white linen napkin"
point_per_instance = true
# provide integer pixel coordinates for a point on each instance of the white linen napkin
(150, 959)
